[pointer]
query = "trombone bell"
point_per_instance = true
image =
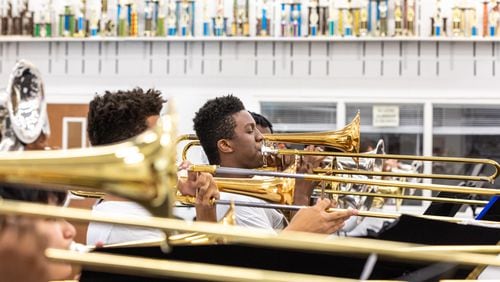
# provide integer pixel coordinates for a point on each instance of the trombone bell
(141, 169)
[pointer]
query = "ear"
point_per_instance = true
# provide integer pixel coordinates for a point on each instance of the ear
(225, 146)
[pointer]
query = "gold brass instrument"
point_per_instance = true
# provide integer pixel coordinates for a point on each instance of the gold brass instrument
(346, 139)
(288, 240)
(142, 169)
(213, 169)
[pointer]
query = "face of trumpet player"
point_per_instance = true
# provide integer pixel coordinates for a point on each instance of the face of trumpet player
(44, 233)
(228, 133)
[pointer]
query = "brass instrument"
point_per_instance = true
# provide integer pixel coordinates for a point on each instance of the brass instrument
(287, 240)
(213, 169)
(346, 139)
(142, 169)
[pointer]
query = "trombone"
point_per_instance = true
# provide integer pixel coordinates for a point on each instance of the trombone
(347, 141)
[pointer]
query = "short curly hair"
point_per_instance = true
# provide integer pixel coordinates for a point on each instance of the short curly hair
(117, 116)
(214, 121)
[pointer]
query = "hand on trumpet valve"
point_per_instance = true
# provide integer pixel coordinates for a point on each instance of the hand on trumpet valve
(317, 219)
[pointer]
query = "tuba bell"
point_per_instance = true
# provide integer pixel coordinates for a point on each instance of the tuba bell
(23, 108)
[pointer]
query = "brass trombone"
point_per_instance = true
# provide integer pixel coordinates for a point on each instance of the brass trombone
(346, 139)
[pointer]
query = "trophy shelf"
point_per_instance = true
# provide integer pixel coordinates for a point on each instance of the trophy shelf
(14, 39)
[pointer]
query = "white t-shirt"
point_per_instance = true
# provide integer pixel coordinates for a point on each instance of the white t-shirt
(113, 234)
(269, 219)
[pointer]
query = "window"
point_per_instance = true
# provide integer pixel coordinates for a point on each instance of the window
(466, 131)
(300, 116)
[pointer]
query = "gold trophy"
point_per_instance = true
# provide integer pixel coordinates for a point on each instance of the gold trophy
(410, 19)
(383, 10)
(456, 20)
(240, 25)
(356, 18)
(363, 28)
(398, 18)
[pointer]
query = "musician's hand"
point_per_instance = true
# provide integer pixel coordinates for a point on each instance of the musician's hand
(22, 251)
(206, 191)
(315, 219)
(307, 163)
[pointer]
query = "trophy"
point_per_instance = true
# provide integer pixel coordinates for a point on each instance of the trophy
(313, 17)
(16, 17)
(470, 20)
(121, 15)
(219, 21)
(284, 23)
(323, 17)
(80, 28)
(107, 26)
(398, 18)
(264, 18)
(67, 22)
(43, 26)
(148, 18)
(296, 19)
(185, 17)
(474, 23)
(383, 12)
(93, 22)
(456, 20)
(410, 19)
(160, 17)
(332, 18)
(493, 18)
(206, 19)
(363, 28)
(171, 18)
(133, 21)
(437, 20)
(26, 19)
(347, 21)
(356, 16)
(240, 25)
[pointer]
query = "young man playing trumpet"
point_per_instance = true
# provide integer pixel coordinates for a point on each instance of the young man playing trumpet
(230, 138)
(115, 117)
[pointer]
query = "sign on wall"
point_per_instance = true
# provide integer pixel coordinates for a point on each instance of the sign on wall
(385, 116)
